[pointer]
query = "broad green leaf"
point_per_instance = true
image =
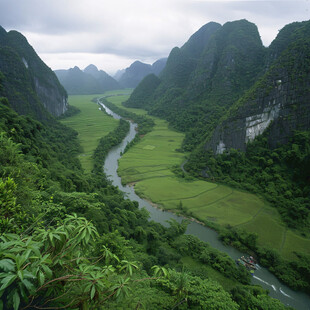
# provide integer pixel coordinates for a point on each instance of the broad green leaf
(7, 264)
(45, 258)
(30, 287)
(57, 237)
(83, 231)
(118, 292)
(28, 274)
(20, 274)
(7, 281)
(11, 255)
(16, 300)
(1, 304)
(23, 292)
(20, 260)
(47, 270)
(28, 242)
(41, 278)
(92, 292)
(26, 255)
(51, 238)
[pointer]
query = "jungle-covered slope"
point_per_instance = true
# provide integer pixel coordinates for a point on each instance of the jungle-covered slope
(29, 84)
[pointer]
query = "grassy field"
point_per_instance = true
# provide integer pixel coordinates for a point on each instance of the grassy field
(148, 165)
(91, 124)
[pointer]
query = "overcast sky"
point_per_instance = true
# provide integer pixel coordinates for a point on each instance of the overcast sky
(113, 34)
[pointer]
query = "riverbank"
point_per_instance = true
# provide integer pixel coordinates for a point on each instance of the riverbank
(262, 277)
(90, 125)
(151, 164)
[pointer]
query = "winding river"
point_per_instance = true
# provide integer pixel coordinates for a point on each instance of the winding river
(262, 276)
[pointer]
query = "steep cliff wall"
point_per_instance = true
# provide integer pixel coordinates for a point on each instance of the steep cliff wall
(29, 84)
(52, 97)
(279, 102)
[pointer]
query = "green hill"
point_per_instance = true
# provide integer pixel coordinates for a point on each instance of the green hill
(31, 86)
(245, 112)
(71, 240)
(205, 76)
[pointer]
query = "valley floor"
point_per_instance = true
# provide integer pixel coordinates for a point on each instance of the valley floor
(149, 166)
(90, 125)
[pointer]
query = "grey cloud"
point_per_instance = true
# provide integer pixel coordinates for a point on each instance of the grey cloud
(136, 29)
(48, 17)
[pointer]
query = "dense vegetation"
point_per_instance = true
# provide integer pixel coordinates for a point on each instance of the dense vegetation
(106, 143)
(203, 78)
(144, 92)
(145, 123)
(104, 255)
(276, 164)
(71, 240)
(281, 176)
(214, 94)
(29, 84)
(258, 229)
(134, 74)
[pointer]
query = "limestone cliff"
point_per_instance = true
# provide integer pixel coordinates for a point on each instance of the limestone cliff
(279, 101)
(30, 85)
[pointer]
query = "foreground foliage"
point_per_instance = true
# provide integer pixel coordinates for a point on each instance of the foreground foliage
(72, 241)
(281, 176)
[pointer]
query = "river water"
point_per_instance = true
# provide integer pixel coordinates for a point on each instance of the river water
(262, 276)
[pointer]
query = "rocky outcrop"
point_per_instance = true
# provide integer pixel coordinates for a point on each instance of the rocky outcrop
(204, 77)
(30, 85)
(55, 101)
(277, 105)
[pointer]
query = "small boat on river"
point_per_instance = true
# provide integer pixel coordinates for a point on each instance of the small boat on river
(248, 262)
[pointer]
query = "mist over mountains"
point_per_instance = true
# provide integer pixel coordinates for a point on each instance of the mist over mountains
(133, 75)
(94, 81)
(87, 81)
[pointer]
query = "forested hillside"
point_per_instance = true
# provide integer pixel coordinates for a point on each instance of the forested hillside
(245, 111)
(271, 124)
(70, 240)
(205, 76)
(29, 84)
(224, 89)
(134, 74)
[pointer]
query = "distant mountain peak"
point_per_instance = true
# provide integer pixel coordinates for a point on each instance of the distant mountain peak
(75, 68)
(134, 74)
(87, 81)
(91, 68)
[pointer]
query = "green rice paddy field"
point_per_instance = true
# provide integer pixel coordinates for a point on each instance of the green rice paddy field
(91, 124)
(148, 165)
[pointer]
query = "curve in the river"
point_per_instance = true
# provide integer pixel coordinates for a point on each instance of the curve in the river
(262, 276)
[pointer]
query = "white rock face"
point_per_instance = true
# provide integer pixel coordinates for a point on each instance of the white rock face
(220, 148)
(25, 62)
(64, 105)
(256, 124)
